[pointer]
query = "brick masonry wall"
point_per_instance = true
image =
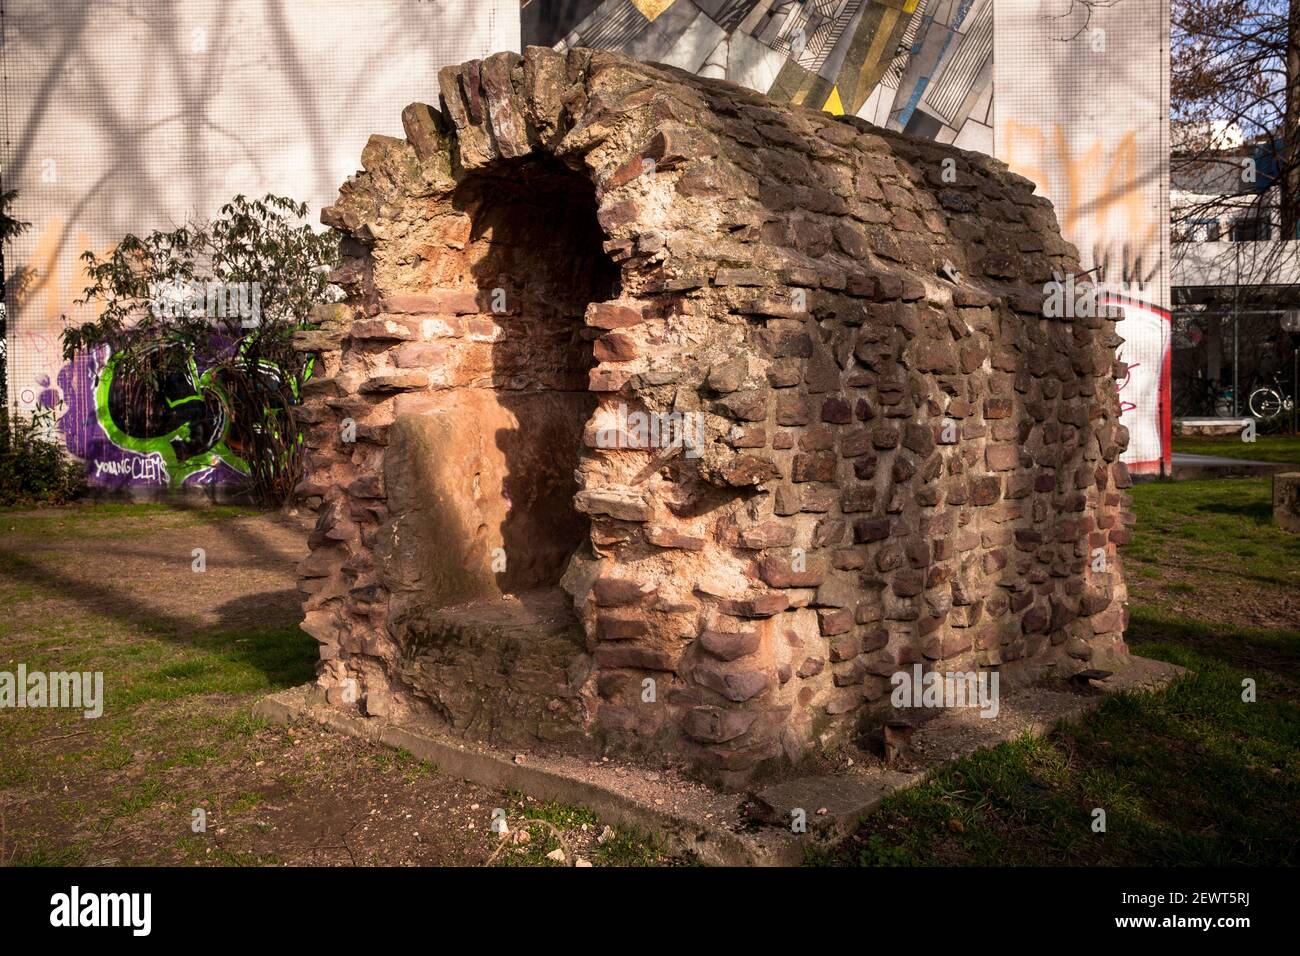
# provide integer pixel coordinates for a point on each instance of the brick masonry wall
(903, 461)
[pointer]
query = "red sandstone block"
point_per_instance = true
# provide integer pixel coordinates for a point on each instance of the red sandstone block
(908, 582)
(777, 572)
(738, 277)
(793, 409)
(381, 330)
(985, 491)
(436, 302)
(632, 169)
(619, 630)
(738, 686)
(640, 658)
(747, 470)
(417, 403)
(883, 437)
(998, 407)
(816, 438)
(611, 217)
(614, 315)
(754, 436)
(836, 410)
(941, 646)
(1002, 457)
(615, 347)
(729, 646)
(607, 380)
(716, 725)
(818, 466)
(665, 538)
(835, 622)
(871, 529)
(395, 381)
(616, 592)
(769, 534)
(844, 645)
(811, 667)
(764, 605)
(1036, 620)
(850, 676)
(484, 330)
(420, 355)
(858, 498)
(849, 559)
(1109, 620)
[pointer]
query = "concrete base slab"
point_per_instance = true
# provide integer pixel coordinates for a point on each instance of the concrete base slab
(727, 829)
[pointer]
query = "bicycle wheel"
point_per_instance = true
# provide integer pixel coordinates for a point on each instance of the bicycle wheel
(1265, 403)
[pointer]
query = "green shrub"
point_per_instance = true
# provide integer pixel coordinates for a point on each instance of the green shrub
(34, 468)
(233, 289)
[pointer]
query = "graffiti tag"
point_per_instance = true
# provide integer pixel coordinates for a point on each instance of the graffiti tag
(142, 469)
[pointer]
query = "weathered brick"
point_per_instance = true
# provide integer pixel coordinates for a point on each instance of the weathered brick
(985, 442)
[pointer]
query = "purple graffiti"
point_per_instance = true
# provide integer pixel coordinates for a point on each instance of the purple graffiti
(109, 465)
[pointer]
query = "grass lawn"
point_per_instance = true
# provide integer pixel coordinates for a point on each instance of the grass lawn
(1279, 448)
(1192, 775)
(1189, 776)
(184, 656)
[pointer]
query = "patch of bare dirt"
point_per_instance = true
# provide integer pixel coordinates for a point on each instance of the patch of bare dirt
(124, 790)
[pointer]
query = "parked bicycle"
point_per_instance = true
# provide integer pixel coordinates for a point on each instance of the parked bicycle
(1267, 402)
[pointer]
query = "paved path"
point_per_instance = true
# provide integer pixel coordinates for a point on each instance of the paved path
(1215, 466)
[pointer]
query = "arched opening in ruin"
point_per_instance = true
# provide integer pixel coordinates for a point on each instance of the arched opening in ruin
(488, 465)
(535, 254)
(484, 477)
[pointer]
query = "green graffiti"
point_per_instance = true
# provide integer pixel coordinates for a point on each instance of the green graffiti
(181, 415)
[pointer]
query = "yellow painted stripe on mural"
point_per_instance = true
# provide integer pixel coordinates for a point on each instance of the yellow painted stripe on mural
(873, 68)
(650, 9)
(855, 55)
(833, 104)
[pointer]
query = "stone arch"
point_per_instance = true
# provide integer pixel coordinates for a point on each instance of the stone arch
(814, 303)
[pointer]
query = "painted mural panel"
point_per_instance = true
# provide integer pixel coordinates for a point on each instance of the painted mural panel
(923, 66)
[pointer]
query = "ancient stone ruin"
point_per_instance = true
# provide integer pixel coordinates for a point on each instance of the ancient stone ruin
(661, 418)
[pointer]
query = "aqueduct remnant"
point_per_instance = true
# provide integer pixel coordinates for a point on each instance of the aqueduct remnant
(891, 455)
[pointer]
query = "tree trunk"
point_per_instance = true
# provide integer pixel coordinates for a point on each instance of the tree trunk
(1290, 160)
